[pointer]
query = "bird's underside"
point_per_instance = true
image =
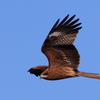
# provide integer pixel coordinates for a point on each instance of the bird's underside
(62, 55)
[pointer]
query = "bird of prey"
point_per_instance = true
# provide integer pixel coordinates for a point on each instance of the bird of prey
(62, 55)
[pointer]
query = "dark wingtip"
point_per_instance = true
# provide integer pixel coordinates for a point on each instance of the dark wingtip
(54, 26)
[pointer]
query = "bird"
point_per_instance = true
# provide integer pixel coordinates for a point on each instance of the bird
(62, 55)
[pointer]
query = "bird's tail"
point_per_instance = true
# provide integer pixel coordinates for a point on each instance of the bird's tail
(89, 75)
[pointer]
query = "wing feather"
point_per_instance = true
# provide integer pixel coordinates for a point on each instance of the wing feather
(63, 56)
(58, 46)
(60, 33)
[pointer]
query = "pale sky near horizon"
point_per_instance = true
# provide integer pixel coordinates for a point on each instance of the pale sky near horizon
(24, 25)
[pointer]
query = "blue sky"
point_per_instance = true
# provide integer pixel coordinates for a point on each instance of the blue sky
(24, 24)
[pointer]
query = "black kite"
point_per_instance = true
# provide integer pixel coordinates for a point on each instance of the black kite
(62, 55)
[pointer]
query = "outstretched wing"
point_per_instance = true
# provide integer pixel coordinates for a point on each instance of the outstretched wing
(63, 33)
(58, 45)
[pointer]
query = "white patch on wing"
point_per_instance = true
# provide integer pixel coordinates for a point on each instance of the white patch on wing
(55, 34)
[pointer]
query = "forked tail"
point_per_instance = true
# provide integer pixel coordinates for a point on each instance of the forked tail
(89, 75)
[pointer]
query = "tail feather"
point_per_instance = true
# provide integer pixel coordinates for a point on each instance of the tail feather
(89, 75)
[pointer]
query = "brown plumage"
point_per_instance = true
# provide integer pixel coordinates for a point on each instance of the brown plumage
(62, 55)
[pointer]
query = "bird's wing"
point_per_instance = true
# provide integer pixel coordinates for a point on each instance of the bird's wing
(63, 33)
(62, 56)
(58, 45)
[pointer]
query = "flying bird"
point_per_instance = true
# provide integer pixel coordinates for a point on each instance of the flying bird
(63, 57)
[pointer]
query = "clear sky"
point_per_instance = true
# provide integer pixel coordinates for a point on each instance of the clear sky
(24, 24)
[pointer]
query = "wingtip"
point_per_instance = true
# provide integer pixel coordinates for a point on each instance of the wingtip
(67, 15)
(73, 17)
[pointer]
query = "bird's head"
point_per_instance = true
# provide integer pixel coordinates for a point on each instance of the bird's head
(37, 70)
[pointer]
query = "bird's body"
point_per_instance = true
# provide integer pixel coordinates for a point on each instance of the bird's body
(58, 73)
(62, 55)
